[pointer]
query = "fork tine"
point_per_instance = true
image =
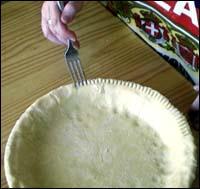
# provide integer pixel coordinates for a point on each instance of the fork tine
(71, 69)
(74, 64)
(78, 77)
(81, 72)
(70, 59)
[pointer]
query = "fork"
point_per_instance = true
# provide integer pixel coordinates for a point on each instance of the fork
(72, 58)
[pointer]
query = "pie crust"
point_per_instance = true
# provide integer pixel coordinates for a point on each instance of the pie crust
(107, 133)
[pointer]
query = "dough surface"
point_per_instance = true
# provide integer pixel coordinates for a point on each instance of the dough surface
(104, 134)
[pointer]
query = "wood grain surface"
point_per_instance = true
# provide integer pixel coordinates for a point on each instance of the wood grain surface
(32, 66)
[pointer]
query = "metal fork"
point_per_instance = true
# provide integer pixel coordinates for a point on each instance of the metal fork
(74, 64)
(72, 59)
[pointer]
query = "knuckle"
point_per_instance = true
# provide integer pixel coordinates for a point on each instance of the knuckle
(54, 31)
(43, 9)
(61, 38)
(54, 22)
(46, 34)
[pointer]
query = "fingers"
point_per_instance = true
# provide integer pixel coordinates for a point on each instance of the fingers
(48, 34)
(45, 25)
(55, 30)
(56, 27)
(196, 88)
(70, 10)
(193, 114)
(195, 104)
(62, 32)
(76, 44)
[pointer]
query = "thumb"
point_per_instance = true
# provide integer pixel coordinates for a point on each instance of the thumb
(70, 10)
(196, 88)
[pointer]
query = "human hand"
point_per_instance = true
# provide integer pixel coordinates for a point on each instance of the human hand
(55, 23)
(193, 114)
(195, 104)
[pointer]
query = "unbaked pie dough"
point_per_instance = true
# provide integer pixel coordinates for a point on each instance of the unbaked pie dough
(105, 134)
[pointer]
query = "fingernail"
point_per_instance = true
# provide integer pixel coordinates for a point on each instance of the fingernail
(67, 19)
(73, 39)
(76, 45)
(196, 88)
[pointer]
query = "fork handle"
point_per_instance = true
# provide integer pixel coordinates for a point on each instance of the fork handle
(61, 5)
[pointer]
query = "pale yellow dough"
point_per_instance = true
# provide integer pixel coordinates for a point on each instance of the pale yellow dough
(106, 134)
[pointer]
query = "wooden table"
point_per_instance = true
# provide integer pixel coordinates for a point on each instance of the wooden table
(33, 66)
